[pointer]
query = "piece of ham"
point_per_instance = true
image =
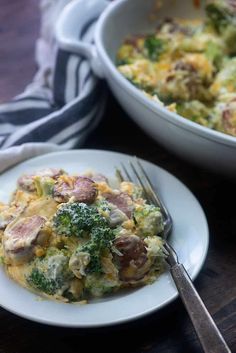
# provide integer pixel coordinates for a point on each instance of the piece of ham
(122, 201)
(20, 237)
(82, 189)
(132, 258)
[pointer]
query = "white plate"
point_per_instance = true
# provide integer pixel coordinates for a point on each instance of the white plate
(189, 238)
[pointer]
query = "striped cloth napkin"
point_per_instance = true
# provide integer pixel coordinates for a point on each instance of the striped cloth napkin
(60, 107)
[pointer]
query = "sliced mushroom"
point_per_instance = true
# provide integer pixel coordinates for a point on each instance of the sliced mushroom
(116, 216)
(98, 178)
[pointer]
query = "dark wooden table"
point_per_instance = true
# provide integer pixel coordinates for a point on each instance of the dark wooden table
(170, 330)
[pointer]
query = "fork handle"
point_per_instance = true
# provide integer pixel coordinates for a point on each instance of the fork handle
(206, 329)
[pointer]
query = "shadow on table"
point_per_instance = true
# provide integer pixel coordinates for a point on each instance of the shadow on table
(167, 331)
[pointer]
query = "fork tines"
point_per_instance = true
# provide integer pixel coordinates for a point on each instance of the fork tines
(144, 181)
(135, 172)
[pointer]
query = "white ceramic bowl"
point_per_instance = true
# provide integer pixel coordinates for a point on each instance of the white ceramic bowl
(196, 143)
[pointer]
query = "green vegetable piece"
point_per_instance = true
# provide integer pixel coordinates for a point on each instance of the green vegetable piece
(226, 77)
(101, 239)
(222, 17)
(96, 285)
(154, 47)
(77, 219)
(221, 14)
(229, 37)
(93, 249)
(103, 206)
(39, 281)
(218, 18)
(51, 273)
(195, 111)
(124, 61)
(44, 186)
(102, 236)
(214, 53)
(148, 221)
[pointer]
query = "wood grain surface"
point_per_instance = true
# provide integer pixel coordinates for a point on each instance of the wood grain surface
(168, 331)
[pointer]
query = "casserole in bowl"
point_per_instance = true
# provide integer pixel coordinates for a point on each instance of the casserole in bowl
(199, 144)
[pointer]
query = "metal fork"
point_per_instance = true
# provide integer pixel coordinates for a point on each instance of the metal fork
(206, 329)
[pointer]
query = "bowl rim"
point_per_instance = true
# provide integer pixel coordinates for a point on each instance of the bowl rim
(139, 96)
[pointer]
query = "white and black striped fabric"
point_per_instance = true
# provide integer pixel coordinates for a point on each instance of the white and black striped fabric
(61, 116)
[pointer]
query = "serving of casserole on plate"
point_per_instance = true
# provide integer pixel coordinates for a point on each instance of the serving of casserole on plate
(71, 237)
(62, 261)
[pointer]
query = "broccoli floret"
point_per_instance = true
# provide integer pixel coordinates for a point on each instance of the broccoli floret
(44, 185)
(39, 281)
(97, 286)
(154, 47)
(220, 14)
(128, 53)
(101, 239)
(77, 219)
(120, 62)
(222, 17)
(195, 111)
(225, 80)
(229, 37)
(218, 17)
(103, 208)
(214, 53)
(148, 220)
(51, 273)
(92, 248)
(102, 236)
